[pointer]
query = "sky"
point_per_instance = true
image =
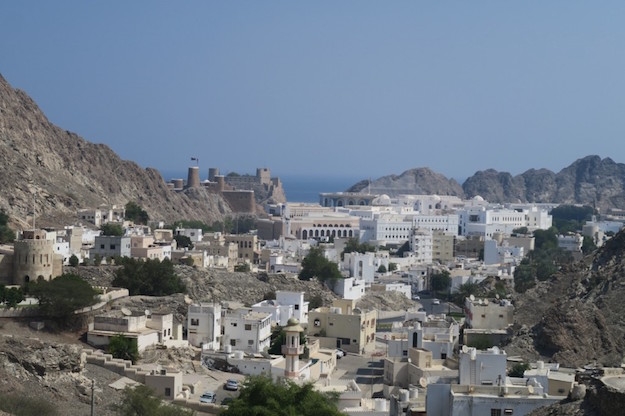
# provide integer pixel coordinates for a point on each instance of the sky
(327, 88)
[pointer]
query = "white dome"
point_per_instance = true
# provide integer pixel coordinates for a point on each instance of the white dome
(478, 198)
(381, 200)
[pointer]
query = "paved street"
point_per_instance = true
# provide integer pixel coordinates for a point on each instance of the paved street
(367, 370)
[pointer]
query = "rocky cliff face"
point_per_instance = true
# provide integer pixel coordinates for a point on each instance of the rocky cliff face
(413, 181)
(59, 172)
(577, 317)
(590, 181)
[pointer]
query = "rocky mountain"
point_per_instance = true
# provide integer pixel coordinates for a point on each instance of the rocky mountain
(413, 181)
(590, 180)
(59, 173)
(576, 318)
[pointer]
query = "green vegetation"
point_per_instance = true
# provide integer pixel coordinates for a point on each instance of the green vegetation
(316, 265)
(464, 291)
(11, 296)
(237, 225)
(19, 404)
(123, 348)
(260, 396)
(112, 229)
(136, 213)
(151, 277)
(60, 297)
(74, 261)
(382, 269)
(392, 267)
(441, 281)
(242, 267)
(588, 246)
(141, 401)
(520, 230)
(480, 342)
(571, 218)
(7, 235)
(97, 259)
(542, 262)
(518, 369)
(315, 302)
(183, 241)
(353, 246)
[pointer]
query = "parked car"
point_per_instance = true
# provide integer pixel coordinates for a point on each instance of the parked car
(226, 401)
(340, 353)
(208, 397)
(232, 385)
(436, 302)
(416, 297)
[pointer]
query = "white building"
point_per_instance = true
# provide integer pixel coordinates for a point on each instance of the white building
(247, 330)
(194, 234)
(421, 245)
(485, 221)
(571, 242)
(446, 223)
(349, 288)
(146, 330)
(484, 389)
(502, 254)
(204, 325)
(287, 305)
(360, 265)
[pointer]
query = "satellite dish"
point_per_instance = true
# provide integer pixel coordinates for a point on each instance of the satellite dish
(465, 349)
(472, 298)
(485, 301)
(530, 389)
(496, 295)
(147, 312)
(126, 312)
(423, 382)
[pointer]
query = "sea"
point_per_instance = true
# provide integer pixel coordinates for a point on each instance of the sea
(298, 188)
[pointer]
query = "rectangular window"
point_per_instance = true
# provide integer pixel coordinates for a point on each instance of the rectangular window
(167, 392)
(248, 327)
(112, 246)
(195, 322)
(508, 412)
(233, 342)
(297, 307)
(102, 246)
(250, 342)
(495, 412)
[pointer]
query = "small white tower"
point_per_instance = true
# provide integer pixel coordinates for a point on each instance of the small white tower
(291, 349)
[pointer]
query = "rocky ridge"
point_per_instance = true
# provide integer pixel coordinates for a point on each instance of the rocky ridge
(59, 173)
(576, 318)
(589, 180)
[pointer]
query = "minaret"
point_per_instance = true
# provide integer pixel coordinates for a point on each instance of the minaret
(291, 349)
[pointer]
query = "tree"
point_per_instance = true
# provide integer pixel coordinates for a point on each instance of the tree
(60, 297)
(97, 259)
(20, 404)
(278, 339)
(392, 267)
(315, 302)
(520, 230)
(242, 267)
(7, 235)
(524, 277)
(353, 245)
(141, 401)
(465, 290)
(518, 369)
(11, 296)
(123, 348)
(588, 246)
(136, 214)
(151, 277)
(183, 241)
(441, 281)
(260, 396)
(112, 229)
(74, 261)
(382, 269)
(316, 265)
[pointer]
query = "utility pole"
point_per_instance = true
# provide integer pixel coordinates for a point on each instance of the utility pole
(92, 396)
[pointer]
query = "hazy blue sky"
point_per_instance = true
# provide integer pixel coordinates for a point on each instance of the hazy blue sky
(349, 88)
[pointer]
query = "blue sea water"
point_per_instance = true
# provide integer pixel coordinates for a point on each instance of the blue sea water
(298, 188)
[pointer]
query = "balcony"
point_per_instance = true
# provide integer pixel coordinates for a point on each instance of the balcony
(298, 350)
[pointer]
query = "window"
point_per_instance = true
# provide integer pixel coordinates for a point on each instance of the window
(507, 412)
(112, 246)
(102, 246)
(317, 322)
(233, 324)
(495, 412)
(250, 342)
(297, 307)
(233, 342)
(167, 392)
(248, 327)
(195, 322)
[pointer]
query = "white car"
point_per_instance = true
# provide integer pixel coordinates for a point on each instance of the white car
(208, 397)
(340, 353)
(436, 302)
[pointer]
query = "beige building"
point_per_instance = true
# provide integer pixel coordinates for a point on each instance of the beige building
(166, 382)
(142, 246)
(443, 246)
(417, 367)
(349, 327)
(34, 258)
(247, 244)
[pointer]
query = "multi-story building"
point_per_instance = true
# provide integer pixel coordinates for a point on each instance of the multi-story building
(204, 325)
(443, 246)
(34, 258)
(421, 245)
(352, 328)
(111, 246)
(287, 305)
(246, 330)
(248, 246)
